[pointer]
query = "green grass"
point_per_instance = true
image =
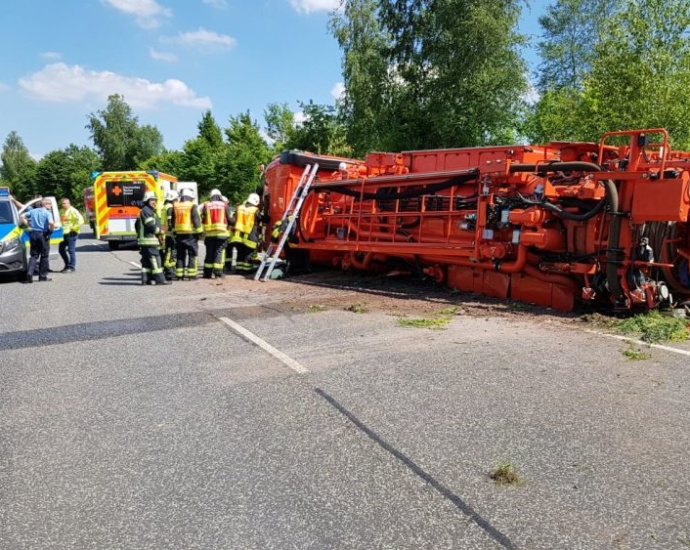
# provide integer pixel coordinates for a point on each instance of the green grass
(433, 323)
(315, 308)
(635, 354)
(357, 308)
(655, 327)
(505, 474)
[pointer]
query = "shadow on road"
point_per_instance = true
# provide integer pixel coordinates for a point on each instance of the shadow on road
(82, 332)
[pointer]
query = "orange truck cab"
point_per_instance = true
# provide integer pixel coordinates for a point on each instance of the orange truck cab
(89, 206)
(118, 198)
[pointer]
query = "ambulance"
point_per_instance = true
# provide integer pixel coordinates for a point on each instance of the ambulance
(118, 198)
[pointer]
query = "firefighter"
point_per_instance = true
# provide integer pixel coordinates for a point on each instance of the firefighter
(245, 236)
(217, 217)
(148, 228)
(186, 224)
(168, 255)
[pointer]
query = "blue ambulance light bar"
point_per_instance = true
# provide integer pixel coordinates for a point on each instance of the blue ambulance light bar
(4, 191)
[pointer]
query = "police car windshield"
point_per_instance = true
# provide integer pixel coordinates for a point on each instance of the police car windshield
(6, 213)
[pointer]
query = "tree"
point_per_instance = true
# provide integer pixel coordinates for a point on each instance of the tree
(366, 104)
(571, 30)
(321, 132)
(431, 73)
(638, 77)
(18, 168)
(66, 172)
(210, 132)
(118, 138)
(280, 125)
(170, 162)
(245, 151)
(641, 75)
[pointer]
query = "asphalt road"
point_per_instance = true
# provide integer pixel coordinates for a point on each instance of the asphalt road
(201, 415)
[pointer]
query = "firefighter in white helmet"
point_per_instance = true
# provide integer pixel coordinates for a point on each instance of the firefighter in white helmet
(217, 218)
(245, 236)
(168, 255)
(148, 228)
(186, 223)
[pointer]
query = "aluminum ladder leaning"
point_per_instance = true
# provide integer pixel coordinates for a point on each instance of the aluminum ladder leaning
(290, 215)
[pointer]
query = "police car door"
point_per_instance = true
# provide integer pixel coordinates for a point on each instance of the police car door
(57, 235)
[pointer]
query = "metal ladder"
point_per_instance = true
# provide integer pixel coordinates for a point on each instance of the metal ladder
(290, 215)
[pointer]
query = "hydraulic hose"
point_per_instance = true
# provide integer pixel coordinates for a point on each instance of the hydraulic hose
(613, 252)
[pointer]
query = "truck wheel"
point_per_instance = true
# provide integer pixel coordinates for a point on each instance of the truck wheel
(114, 245)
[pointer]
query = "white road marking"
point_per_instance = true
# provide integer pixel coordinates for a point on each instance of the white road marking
(135, 264)
(287, 361)
(640, 342)
(97, 243)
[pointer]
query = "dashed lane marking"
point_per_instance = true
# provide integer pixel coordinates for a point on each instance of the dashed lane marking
(287, 361)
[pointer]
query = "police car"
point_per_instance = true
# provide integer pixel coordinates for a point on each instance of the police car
(14, 242)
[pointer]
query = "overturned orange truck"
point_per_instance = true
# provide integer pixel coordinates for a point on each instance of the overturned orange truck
(558, 225)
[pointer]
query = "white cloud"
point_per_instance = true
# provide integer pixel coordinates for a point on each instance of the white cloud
(162, 56)
(299, 118)
(63, 84)
(203, 37)
(147, 13)
(220, 4)
(338, 90)
(51, 55)
(309, 6)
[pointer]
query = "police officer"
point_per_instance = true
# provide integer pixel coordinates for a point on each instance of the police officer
(169, 257)
(217, 217)
(148, 228)
(245, 237)
(41, 225)
(186, 223)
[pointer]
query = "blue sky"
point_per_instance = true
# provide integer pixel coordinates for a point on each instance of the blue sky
(171, 59)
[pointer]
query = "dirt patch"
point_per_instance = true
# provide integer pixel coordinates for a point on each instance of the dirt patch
(395, 295)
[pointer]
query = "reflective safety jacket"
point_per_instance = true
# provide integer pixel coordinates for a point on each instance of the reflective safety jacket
(148, 227)
(246, 226)
(216, 218)
(71, 220)
(185, 219)
(166, 212)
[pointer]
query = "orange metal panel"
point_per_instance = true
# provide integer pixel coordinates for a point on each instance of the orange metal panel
(665, 200)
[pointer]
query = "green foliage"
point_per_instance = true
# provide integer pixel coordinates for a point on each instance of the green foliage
(655, 327)
(246, 149)
(566, 56)
(321, 132)
(210, 132)
(280, 125)
(631, 72)
(18, 168)
(430, 73)
(505, 474)
(640, 78)
(367, 104)
(121, 143)
(66, 172)
(635, 354)
(169, 162)
(432, 323)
